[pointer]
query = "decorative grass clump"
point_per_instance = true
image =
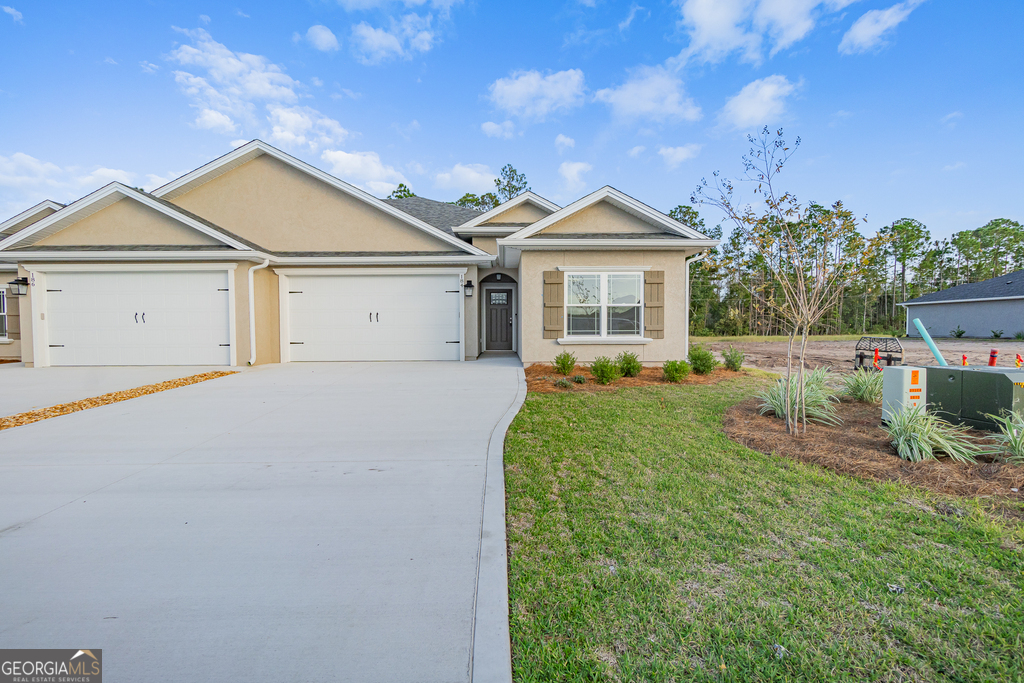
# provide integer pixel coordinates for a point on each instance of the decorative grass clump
(629, 364)
(733, 359)
(565, 362)
(863, 385)
(1011, 436)
(819, 397)
(918, 436)
(604, 370)
(676, 370)
(563, 383)
(579, 379)
(702, 360)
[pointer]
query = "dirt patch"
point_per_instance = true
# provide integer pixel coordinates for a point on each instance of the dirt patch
(114, 397)
(9, 360)
(859, 446)
(541, 378)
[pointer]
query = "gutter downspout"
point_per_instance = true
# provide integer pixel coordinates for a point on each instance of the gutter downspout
(252, 311)
(686, 312)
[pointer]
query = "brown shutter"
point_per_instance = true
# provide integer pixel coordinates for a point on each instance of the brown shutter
(554, 303)
(654, 304)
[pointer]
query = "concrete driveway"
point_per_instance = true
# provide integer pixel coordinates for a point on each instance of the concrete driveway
(302, 522)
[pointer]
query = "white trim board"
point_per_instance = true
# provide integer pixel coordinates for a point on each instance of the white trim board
(569, 341)
(959, 301)
(48, 256)
(370, 271)
(123, 267)
(603, 269)
(255, 148)
(30, 212)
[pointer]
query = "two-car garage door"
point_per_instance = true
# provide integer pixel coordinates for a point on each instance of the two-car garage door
(137, 317)
(373, 317)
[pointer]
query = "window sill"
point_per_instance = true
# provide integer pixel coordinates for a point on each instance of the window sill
(604, 340)
(4, 340)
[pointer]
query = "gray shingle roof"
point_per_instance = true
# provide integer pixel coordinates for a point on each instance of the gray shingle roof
(438, 214)
(1011, 284)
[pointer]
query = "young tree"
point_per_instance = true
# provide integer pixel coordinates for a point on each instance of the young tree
(908, 238)
(705, 274)
(484, 202)
(401, 192)
(510, 184)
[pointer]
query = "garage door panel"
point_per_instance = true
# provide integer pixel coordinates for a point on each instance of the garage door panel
(139, 318)
(374, 317)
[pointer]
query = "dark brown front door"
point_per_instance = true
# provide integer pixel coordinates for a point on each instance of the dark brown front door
(499, 319)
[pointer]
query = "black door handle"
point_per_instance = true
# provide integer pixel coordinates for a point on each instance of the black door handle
(136, 318)
(371, 316)
(378, 316)
(143, 317)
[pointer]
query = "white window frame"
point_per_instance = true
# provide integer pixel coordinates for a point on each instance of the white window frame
(4, 333)
(603, 306)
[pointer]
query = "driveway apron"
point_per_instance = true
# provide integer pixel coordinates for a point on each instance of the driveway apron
(299, 522)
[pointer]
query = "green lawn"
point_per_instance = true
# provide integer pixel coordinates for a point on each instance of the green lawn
(645, 546)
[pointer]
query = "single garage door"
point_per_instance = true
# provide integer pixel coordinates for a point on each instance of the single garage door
(374, 317)
(138, 318)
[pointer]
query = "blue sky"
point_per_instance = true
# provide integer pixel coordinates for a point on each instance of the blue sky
(910, 109)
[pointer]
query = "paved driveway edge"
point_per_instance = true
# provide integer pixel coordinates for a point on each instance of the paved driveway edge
(492, 648)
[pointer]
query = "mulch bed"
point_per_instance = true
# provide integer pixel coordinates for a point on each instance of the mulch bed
(541, 378)
(859, 446)
(65, 408)
(9, 360)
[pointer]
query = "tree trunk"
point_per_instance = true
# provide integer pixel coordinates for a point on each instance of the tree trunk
(789, 381)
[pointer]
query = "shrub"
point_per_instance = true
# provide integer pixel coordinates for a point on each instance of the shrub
(996, 334)
(864, 385)
(629, 364)
(917, 435)
(733, 358)
(565, 362)
(1011, 437)
(675, 370)
(818, 397)
(579, 379)
(563, 383)
(604, 370)
(702, 360)
(958, 332)
(1019, 334)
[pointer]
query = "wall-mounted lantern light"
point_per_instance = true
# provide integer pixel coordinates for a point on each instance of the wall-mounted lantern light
(18, 286)
(469, 287)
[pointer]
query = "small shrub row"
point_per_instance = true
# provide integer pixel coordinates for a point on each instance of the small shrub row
(702, 360)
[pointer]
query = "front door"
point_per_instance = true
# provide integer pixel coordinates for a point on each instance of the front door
(499, 319)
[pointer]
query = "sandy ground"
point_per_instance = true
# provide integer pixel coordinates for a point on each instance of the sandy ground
(838, 355)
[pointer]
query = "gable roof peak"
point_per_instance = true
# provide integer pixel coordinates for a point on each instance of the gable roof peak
(523, 197)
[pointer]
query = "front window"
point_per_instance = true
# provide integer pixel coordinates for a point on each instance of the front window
(3, 314)
(604, 304)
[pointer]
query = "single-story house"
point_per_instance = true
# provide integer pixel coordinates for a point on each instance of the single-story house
(258, 257)
(978, 308)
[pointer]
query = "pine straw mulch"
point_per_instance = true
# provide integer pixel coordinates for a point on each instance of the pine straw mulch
(859, 446)
(541, 378)
(65, 408)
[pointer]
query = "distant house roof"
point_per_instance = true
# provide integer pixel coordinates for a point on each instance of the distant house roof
(438, 214)
(1009, 286)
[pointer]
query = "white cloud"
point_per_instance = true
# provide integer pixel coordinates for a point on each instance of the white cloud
(110, 60)
(718, 28)
(406, 36)
(303, 127)
(636, 151)
(674, 156)
(953, 167)
(475, 178)
(498, 130)
(240, 13)
(148, 67)
(651, 92)
(209, 119)
(25, 181)
(322, 38)
(572, 172)
(316, 81)
(365, 170)
(759, 103)
(564, 142)
(869, 32)
(530, 94)
(245, 93)
(15, 14)
(354, 5)
(951, 118)
(406, 130)
(235, 144)
(624, 24)
(204, 19)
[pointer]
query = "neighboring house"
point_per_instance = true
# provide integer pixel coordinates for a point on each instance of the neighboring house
(258, 257)
(978, 308)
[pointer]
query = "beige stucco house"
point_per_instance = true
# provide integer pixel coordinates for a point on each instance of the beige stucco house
(258, 257)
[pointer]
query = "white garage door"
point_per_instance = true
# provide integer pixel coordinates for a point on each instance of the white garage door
(374, 317)
(138, 318)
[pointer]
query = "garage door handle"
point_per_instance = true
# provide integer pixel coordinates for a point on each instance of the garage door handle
(143, 317)
(371, 316)
(136, 318)
(378, 316)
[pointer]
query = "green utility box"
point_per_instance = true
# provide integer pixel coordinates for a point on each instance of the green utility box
(967, 395)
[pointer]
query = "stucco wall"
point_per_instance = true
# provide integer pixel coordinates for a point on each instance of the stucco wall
(976, 318)
(534, 348)
(600, 217)
(128, 222)
(526, 212)
(488, 244)
(283, 209)
(25, 321)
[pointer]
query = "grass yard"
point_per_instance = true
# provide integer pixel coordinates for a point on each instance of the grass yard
(777, 338)
(646, 546)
